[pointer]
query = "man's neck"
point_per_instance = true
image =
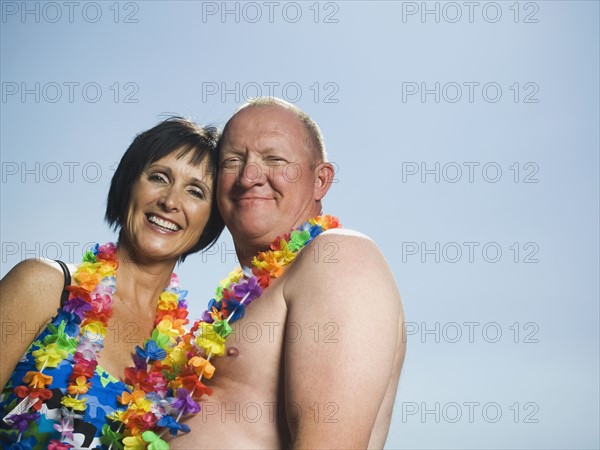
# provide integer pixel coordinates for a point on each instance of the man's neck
(246, 250)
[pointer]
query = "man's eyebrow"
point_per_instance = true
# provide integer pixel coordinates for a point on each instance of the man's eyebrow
(230, 149)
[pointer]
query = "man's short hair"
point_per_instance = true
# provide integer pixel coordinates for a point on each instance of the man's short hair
(315, 144)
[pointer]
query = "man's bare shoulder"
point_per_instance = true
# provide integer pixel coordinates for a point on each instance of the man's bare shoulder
(340, 257)
(339, 281)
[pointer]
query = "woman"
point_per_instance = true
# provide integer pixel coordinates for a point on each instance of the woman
(68, 381)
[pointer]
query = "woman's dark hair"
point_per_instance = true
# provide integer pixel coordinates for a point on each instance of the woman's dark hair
(175, 134)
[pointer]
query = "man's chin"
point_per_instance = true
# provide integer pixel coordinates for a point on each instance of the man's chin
(254, 229)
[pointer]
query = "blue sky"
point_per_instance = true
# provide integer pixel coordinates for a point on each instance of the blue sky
(465, 138)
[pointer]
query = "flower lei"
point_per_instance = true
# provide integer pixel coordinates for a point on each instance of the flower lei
(166, 380)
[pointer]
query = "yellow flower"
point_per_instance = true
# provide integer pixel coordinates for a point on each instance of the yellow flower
(51, 356)
(116, 415)
(269, 263)
(284, 255)
(210, 341)
(78, 404)
(167, 300)
(107, 269)
(134, 443)
(233, 277)
(177, 358)
(94, 331)
(166, 327)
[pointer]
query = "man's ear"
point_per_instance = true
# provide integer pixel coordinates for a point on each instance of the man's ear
(325, 175)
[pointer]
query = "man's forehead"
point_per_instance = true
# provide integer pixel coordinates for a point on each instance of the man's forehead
(268, 117)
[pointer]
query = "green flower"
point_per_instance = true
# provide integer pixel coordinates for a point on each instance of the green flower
(110, 437)
(298, 239)
(89, 257)
(222, 328)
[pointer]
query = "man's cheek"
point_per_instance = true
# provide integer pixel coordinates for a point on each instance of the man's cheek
(227, 178)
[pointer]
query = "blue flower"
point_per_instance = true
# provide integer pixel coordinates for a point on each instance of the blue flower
(235, 308)
(315, 230)
(172, 425)
(72, 322)
(152, 351)
(25, 444)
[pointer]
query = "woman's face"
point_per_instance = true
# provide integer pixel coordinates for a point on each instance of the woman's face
(169, 207)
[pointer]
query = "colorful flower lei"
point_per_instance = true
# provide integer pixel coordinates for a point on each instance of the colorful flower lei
(166, 380)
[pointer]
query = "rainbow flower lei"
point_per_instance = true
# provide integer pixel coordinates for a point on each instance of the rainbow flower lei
(166, 380)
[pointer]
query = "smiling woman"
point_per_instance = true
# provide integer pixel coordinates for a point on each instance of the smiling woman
(56, 394)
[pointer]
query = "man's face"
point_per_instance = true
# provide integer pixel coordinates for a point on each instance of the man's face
(266, 184)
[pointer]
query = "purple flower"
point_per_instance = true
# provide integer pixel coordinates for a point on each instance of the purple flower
(250, 288)
(77, 306)
(139, 362)
(185, 403)
(21, 421)
(183, 303)
(206, 317)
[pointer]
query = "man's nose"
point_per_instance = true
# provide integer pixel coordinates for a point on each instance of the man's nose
(251, 174)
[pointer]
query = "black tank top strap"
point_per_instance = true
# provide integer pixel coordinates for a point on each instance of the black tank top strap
(67, 273)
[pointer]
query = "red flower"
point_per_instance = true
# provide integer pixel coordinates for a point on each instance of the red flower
(262, 276)
(138, 378)
(141, 422)
(195, 386)
(83, 369)
(78, 291)
(276, 244)
(177, 313)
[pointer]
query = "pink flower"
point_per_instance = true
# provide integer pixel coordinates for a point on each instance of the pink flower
(55, 445)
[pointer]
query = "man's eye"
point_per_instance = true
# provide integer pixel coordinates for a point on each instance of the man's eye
(231, 163)
(275, 160)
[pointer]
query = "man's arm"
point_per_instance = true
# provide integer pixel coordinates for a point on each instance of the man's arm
(342, 296)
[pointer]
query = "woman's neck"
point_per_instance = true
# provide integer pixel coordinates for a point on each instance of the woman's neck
(141, 283)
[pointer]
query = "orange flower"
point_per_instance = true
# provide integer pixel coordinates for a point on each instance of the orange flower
(202, 366)
(81, 386)
(37, 379)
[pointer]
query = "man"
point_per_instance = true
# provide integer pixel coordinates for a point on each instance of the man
(315, 361)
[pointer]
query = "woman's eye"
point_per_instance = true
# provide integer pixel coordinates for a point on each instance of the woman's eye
(198, 193)
(158, 177)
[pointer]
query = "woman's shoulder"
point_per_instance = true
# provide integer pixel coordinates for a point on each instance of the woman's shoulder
(29, 298)
(33, 283)
(36, 270)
